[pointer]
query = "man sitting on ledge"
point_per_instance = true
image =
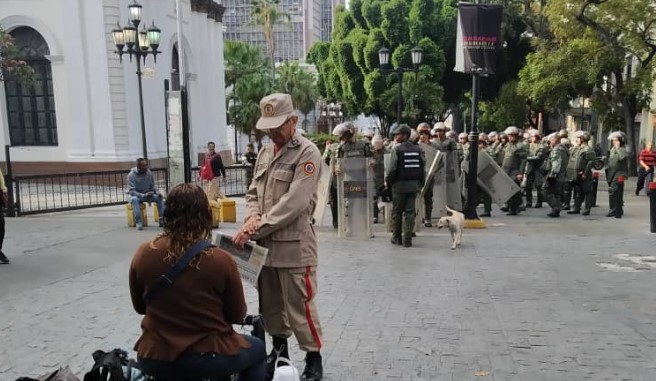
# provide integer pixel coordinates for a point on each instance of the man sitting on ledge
(142, 188)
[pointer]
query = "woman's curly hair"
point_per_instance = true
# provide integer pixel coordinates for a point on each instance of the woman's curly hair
(187, 218)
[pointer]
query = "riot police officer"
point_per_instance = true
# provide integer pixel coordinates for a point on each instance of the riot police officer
(378, 152)
(533, 179)
(555, 166)
(406, 177)
(426, 145)
(618, 159)
(330, 158)
(582, 184)
(514, 164)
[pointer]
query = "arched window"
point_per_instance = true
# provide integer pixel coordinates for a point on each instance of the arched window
(175, 69)
(31, 110)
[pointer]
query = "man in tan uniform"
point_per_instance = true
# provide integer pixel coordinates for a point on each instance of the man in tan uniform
(280, 202)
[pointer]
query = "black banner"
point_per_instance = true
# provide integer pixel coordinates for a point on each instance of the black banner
(479, 32)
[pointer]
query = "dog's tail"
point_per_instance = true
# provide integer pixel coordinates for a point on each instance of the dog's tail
(450, 210)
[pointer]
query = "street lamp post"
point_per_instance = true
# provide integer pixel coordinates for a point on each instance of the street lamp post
(139, 44)
(384, 59)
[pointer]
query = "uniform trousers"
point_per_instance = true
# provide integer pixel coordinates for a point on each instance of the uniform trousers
(287, 304)
(214, 189)
(553, 190)
(403, 213)
(428, 200)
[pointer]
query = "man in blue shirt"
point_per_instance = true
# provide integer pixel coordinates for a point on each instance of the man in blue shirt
(142, 188)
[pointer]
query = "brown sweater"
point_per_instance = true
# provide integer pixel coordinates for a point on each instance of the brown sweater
(195, 314)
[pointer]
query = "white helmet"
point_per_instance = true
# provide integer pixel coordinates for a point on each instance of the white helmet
(440, 126)
(339, 129)
(462, 135)
(512, 130)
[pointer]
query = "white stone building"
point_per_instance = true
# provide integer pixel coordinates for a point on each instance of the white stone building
(83, 112)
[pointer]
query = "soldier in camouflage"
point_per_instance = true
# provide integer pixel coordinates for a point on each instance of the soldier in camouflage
(424, 131)
(514, 164)
(618, 160)
(534, 179)
(555, 167)
(582, 184)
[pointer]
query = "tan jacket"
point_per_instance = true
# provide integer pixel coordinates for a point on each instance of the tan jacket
(284, 194)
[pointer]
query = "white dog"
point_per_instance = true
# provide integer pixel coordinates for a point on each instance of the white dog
(455, 222)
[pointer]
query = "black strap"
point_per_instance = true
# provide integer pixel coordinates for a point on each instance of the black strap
(166, 280)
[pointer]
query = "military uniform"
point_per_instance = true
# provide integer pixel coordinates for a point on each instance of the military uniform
(428, 194)
(406, 175)
(378, 157)
(330, 158)
(534, 179)
(570, 176)
(555, 167)
(514, 164)
(582, 184)
(280, 204)
(618, 159)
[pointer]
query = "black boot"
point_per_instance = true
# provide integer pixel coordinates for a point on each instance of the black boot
(313, 367)
(407, 242)
(612, 205)
(279, 350)
(540, 200)
(554, 213)
(396, 241)
(3, 258)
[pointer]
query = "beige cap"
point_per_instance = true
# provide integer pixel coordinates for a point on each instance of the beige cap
(275, 109)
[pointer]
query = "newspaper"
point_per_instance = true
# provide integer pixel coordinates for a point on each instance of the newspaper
(249, 259)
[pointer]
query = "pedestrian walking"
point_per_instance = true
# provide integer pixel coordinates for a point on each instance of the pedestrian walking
(216, 172)
(406, 177)
(280, 204)
(142, 188)
(647, 162)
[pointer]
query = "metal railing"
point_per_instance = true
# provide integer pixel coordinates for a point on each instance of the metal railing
(35, 194)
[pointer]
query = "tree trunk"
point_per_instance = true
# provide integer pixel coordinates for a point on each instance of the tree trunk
(629, 116)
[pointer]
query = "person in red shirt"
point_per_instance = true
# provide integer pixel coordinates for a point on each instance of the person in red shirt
(646, 169)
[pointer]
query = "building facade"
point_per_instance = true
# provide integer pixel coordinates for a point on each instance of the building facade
(309, 21)
(83, 112)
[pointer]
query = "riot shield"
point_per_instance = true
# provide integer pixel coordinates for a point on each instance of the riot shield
(323, 193)
(453, 185)
(354, 195)
(493, 179)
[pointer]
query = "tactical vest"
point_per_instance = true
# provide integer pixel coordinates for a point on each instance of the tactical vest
(410, 165)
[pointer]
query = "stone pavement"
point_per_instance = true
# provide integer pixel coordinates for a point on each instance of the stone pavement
(528, 298)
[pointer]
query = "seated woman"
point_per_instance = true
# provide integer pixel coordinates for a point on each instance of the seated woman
(187, 330)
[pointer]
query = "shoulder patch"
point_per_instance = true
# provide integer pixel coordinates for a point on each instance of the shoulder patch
(308, 168)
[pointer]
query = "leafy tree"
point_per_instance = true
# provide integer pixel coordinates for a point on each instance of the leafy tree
(615, 47)
(11, 64)
(349, 71)
(268, 14)
(508, 109)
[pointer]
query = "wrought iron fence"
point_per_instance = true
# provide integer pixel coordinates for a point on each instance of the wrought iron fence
(35, 194)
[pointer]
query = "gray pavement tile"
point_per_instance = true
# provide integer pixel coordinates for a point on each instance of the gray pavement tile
(520, 305)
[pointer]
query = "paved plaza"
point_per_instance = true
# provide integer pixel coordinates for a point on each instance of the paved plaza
(529, 298)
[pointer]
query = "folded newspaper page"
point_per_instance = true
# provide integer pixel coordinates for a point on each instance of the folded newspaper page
(249, 260)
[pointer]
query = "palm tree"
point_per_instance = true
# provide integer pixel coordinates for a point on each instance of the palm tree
(245, 97)
(300, 84)
(267, 14)
(242, 60)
